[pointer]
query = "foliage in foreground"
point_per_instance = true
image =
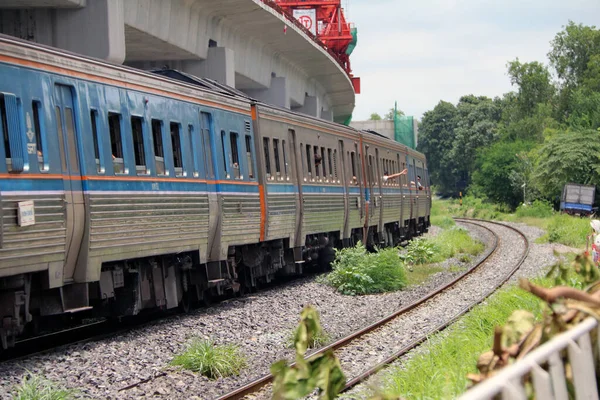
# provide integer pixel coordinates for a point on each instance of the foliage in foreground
(318, 339)
(34, 387)
(440, 369)
(355, 271)
(564, 308)
(210, 360)
(322, 371)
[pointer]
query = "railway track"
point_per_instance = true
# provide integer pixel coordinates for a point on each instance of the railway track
(260, 388)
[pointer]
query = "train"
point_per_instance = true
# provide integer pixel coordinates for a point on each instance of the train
(123, 190)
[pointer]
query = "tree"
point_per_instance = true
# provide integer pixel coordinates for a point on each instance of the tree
(571, 156)
(375, 117)
(436, 137)
(390, 114)
(476, 127)
(502, 170)
(572, 50)
(533, 81)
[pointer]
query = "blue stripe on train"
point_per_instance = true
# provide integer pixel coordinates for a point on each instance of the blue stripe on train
(11, 185)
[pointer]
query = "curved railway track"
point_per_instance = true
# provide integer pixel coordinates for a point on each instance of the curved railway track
(258, 386)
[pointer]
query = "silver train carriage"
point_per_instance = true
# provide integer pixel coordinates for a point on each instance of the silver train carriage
(123, 190)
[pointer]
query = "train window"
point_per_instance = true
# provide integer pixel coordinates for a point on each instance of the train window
(138, 145)
(285, 163)
(308, 161)
(206, 129)
(335, 171)
(235, 156)
(189, 142)
(176, 146)
(302, 161)
(329, 153)
(267, 158)
(4, 127)
(249, 157)
(73, 152)
(276, 155)
(224, 154)
(42, 158)
(99, 162)
(116, 142)
(318, 160)
(323, 162)
(159, 152)
(353, 163)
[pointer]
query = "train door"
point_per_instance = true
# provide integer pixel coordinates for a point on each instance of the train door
(341, 169)
(416, 191)
(379, 196)
(401, 181)
(71, 172)
(299, 198)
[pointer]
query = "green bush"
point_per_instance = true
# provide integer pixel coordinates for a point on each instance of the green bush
(212, 361)
(355, 271)
(419, 251)
(539, 209)
(33, 387)
(567, 230)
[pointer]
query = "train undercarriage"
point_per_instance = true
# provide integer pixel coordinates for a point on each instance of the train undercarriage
(130, 287)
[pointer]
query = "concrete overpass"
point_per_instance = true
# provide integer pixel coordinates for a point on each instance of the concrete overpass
(241, 43)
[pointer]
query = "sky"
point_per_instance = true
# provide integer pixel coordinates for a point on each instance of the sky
(422, 51)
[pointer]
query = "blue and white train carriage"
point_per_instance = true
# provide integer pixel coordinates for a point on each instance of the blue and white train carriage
(122, 190)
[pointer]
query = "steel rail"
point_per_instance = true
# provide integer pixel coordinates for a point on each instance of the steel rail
(373, 370)
(258, 384)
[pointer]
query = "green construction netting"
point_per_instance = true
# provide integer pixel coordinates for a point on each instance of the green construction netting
(404, 130)
(352, 45)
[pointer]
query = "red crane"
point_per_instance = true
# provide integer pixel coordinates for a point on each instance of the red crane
(326, 21)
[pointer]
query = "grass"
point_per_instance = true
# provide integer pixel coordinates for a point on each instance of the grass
(34, 387)
(421, 273)
(439, 369)
(560, 228)
(210, 360)
(454, 242)
(356, 272)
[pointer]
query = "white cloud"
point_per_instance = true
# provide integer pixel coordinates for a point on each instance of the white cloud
(419, 53)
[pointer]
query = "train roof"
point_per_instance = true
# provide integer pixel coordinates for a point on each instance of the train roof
(206, 83)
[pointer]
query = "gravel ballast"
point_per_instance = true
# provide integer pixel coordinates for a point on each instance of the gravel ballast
(260, 324)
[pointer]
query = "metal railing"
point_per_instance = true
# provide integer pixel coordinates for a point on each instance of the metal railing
(276, 7)
(545, 365)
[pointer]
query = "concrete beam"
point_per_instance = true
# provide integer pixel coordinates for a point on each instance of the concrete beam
(96, 30)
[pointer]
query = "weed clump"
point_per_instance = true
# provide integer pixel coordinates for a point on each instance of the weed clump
(570, 231)
(210, 360)
(34, 387)
(539, 209)
(355, 271)
(419, 251)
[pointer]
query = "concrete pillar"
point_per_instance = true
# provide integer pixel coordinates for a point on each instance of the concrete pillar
(310, 106)
(97, 30)
(219, 66)
(276, 95)
(327, 115)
